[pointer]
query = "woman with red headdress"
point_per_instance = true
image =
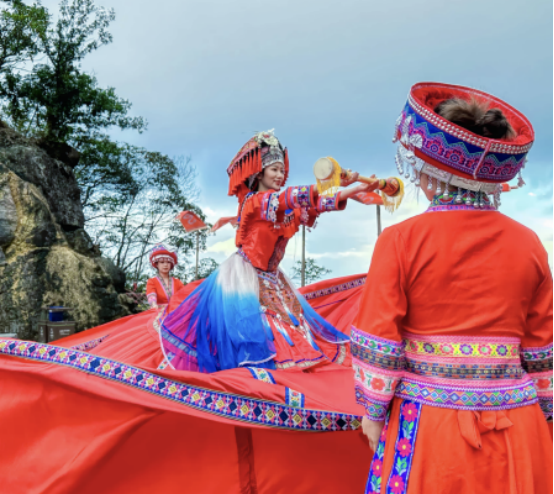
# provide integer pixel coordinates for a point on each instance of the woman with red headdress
(247, 313)
(452, 345)
(161, 288)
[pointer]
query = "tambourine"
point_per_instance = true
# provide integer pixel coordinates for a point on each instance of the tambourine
(329, 174)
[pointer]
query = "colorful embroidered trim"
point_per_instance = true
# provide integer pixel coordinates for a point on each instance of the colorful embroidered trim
(378, 366)
(294, 398)
(475, 347)
(164, 364)
(298, 197)
(327, 203)
(537, 359)
(546, 407)
(269, 207)
(466, 197)
(464, 370)
(226, 405)
(463, 397)
(375, 477)
(89, 345)
(335, 289)
(374, 410)
(459, 207)
(408, 425)
(376, 344)
(261, 374)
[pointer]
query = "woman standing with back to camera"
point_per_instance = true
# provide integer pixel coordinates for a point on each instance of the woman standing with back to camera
(452, 347)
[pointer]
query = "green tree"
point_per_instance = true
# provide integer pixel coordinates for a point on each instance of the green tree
(20, 27)
(57, 100)
(313, 271)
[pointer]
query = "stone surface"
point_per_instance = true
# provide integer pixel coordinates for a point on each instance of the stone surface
(46, 256)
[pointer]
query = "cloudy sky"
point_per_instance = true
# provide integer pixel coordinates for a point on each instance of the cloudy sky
(331, 77)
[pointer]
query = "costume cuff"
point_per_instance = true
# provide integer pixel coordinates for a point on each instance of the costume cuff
(378, 365)
(301, 196)
(152, 299)
(269, 206)
(330, 203)
(538, 364)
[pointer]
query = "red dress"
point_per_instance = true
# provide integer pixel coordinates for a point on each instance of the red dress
(455, 328)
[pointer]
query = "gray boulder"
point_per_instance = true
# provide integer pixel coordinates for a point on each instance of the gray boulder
(46, 256)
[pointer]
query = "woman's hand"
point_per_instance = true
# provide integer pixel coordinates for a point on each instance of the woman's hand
(350, 179)
(362, 187)
(372, 430)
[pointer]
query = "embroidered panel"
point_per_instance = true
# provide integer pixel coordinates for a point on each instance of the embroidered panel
(458, 207)
(269, 206)
(294, 398)
(298, 197)
(152, 299)
(335, 289)
(261, 374)
(466, 397)
(464, 156)
(444, 346)
(278, 297)
(227, 405)
(89, 345)
(378, 367)
(374, 409)
(327, 203)
(410, 413)
(537, 360)
(164, 364)
(375, 477)
(464, 370)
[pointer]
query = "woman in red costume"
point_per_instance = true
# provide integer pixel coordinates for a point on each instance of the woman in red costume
(247, 313)
(452, 348)
(161, 288)
(96, 412)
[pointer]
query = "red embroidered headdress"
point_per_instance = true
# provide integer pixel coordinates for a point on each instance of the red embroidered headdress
(260, 151)
(159, 252)
(453, 155)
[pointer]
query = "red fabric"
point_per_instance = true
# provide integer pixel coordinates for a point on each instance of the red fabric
(465, 273)
(66, 431)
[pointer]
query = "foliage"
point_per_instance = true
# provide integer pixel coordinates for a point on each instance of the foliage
(56, 100)
(130, 195)
(20, 27)
(313, 271)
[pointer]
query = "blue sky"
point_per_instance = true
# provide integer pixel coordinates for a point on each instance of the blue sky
(331, 77)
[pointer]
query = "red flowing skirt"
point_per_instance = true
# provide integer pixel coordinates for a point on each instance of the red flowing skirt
(93, 413)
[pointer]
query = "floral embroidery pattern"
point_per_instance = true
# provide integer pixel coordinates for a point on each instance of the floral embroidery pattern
(89, 345)
(374, 480)
(378, 366)
(404, 448)
(262, 374)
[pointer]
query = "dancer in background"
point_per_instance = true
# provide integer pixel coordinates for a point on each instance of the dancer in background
(162, 287)
(452, 346)
(247, 313)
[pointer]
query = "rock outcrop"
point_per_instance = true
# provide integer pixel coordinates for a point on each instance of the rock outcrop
(46, 256)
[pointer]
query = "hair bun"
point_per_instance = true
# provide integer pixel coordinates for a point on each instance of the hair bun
(495, 125)
(474, 116)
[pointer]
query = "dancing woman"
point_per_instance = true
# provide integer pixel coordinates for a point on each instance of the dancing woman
(452, 347)
(247, 313)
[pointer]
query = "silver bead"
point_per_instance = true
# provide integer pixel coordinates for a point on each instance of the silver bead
(429, 183)
(459, 199)
(439, 189)
(407, 175)
(417, 180)
(477, 200)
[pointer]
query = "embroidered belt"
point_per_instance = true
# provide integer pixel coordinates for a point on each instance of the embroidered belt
(465, 373)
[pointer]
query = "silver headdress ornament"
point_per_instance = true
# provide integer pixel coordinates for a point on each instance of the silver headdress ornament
(273, 152)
